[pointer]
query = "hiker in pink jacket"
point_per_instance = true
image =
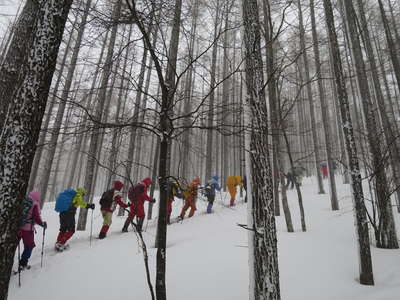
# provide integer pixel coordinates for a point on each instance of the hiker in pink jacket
(30, 217)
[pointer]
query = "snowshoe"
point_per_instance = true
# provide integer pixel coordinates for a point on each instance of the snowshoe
(176, 220)
(21, 268)
(59, 247)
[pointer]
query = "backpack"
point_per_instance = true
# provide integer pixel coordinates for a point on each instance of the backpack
(64, 200)
(135, 190)
(208, 190)
(106, 199)
(27, 205)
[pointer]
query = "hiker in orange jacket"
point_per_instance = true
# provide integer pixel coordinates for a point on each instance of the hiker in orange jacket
(190, 196)
(231, 184)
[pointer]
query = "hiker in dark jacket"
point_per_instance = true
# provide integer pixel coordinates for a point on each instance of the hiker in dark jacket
(108, 202)
(173, 190)
(137, 194)
(209, 191)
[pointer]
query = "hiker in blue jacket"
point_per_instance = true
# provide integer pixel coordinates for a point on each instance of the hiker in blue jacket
(67, 203)
(209, 191)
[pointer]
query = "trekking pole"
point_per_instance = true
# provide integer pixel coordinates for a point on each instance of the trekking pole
(19, 264)
(222, 200)
(91, 229)
(41, 258)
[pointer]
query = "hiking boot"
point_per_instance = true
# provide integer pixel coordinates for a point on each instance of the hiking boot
(139, 225)
(126, 225)
(59, 247)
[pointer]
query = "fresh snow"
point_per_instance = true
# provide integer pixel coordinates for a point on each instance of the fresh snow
(207, 257)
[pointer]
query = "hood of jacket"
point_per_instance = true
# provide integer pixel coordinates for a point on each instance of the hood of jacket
(118, 185)
(35, 196)
(147, 181)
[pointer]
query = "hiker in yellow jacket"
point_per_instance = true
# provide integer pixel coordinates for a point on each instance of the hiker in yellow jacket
(231, 184)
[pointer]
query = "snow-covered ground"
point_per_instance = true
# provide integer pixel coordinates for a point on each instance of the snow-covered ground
(207, 258)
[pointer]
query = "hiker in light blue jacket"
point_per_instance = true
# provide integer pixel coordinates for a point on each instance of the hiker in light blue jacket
(209, 191)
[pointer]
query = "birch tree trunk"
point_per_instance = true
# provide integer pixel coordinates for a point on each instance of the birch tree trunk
(265, 252)
(48, 159)
(33, 180)
(273, 103)
(22, 126)
(366, 275)
(17, 54)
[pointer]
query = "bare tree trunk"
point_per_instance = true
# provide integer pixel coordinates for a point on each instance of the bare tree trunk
(389, 127)
(22, 126)
(94, 139)
(310, 101)
(265, 253)
(211, 103)
(272, 95)
(61, 108)
(188, 92)
(17, 54)
(391, 44)
(387, 231)
(89, 96)
(33, 180)
(366, 275)
(325, 113)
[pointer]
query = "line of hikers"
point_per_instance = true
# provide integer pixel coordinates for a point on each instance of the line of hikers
(69, 200)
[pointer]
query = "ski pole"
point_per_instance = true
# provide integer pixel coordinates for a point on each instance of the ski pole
(19, 264)
(222, 200)
(91, 229)
(41, 258)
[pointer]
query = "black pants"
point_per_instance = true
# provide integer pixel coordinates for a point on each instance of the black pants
(67, 220)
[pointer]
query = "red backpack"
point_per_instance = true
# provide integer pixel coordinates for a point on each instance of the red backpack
(135, 190)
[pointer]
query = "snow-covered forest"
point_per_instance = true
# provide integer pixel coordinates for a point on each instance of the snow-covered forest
(276, 123)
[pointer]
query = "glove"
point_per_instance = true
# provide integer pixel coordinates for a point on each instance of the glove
(129, 204)
(153, 200)
(90, 205)
(44, 225)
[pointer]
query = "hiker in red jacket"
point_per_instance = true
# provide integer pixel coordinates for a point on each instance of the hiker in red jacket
(108, 202)
(137, 194)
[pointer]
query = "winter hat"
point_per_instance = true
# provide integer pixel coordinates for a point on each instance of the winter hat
(147, 181)
(35, 196)
(118, 185)
(215, 177)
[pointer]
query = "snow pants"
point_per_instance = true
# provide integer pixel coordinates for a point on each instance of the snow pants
(232, 192)
(137, 209)
(29, 243)
(189, 203)
(107, 220)
(67, 226)
(210, 199)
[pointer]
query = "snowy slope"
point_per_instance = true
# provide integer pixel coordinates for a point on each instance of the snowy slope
(207, 258)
